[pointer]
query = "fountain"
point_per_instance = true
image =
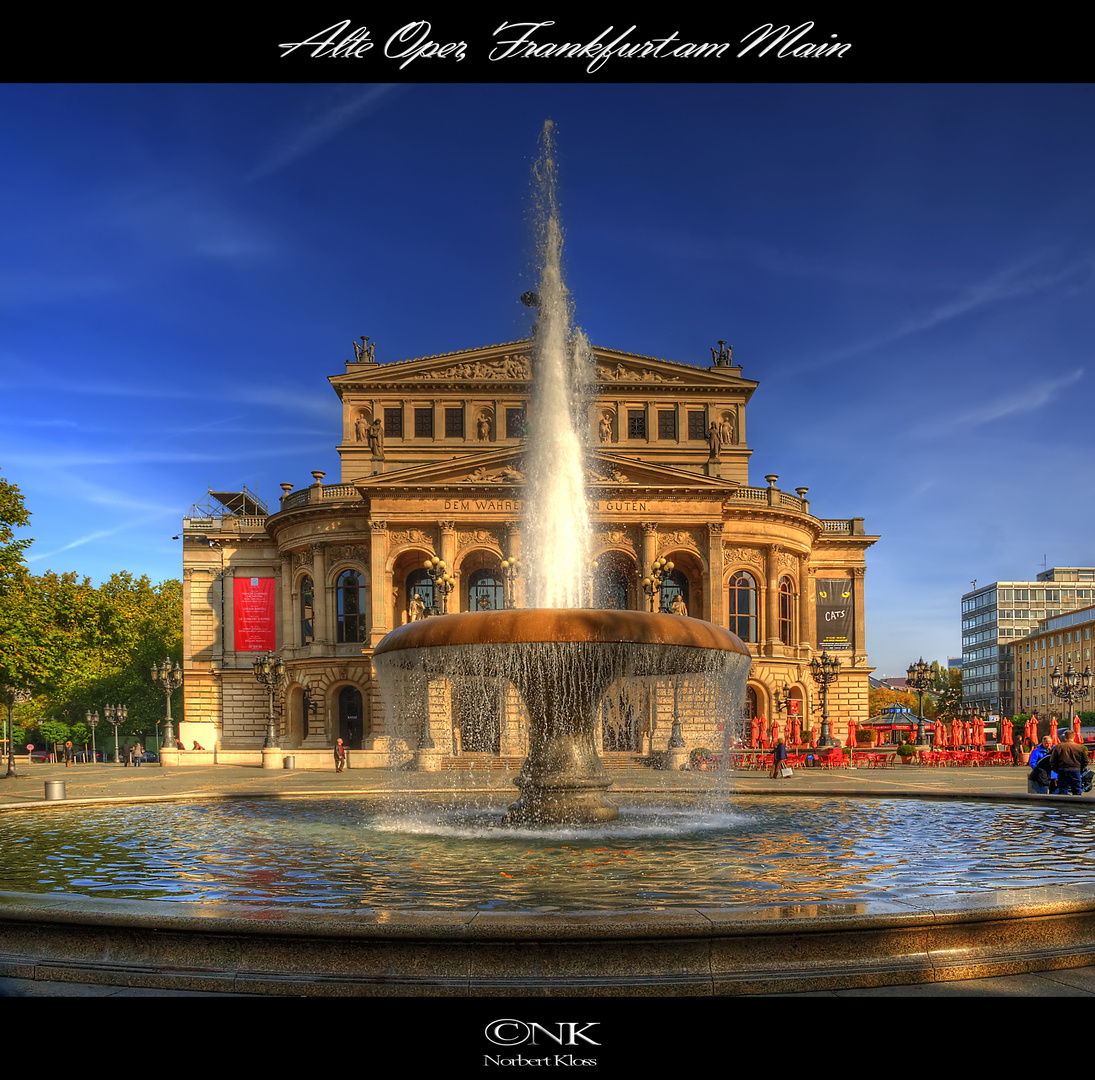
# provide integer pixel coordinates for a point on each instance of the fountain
(562, 662)
(562, 659)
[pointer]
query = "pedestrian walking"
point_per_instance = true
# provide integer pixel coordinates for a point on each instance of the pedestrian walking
(340, 756)
(70, 754)
(779, 756)
(138, 750)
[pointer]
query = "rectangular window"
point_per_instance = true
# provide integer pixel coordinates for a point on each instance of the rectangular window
(697, 425)
(636, 423)
(423, 423)
(393, 423)
(454, 423)
(515, 423)
(667, 424)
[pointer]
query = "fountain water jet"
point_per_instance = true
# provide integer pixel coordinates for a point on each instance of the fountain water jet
(561, 659)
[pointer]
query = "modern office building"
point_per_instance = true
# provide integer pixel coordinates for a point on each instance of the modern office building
(1058, 641)
(993, 616)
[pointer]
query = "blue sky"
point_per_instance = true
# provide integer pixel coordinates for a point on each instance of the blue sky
(906, 269)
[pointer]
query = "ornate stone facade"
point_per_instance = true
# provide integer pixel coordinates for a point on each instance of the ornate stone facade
(347, 558)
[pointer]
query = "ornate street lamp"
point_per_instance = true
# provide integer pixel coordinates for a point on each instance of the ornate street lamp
(170, 680)
(92, 720)
(652, 585)
(13, 697)
(511, 571)
(1070, 685)
(269, 670)
(115, 714)
(920, 677)
(443, 583)
(824, 672)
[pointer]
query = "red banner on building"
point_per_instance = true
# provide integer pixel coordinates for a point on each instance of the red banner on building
(253, 607)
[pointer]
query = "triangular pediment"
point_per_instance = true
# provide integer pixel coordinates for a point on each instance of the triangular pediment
(510, 365)
(505, 469)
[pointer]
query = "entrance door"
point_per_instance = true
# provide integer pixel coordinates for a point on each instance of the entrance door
(350, 717)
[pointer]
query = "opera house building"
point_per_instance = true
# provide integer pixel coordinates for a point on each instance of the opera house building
(431, 453)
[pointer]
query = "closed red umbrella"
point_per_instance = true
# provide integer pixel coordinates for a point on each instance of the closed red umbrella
(1053, 732)
(754, 732)
(762, 721)
(1076, 729)
(956, 732)
(940, 734)
(775, 732)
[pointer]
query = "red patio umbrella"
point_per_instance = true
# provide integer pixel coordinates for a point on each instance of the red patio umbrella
(956, 732)
(1005, 738)
(796, 730)
(940, 734)
(775, 732)
(1076, 729)
(762, 720)
(754, 732)
(1053, 732)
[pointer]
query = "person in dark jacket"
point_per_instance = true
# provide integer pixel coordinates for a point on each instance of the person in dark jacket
(1069, 760)
(340, 756)
(778, 758)
(1038, 781)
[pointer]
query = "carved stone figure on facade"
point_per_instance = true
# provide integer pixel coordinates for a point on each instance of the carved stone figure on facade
(416, 609)
(714, 440)
(678, 607)
(376, 439)
(606, 428)
(365, 352)
(361, 428)
(483, 428)
(726, 431)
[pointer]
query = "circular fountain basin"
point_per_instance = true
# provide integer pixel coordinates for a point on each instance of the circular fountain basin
(232, 879)
(542, 625)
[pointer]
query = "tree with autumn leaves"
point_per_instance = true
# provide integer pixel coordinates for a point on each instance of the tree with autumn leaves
(77, 646)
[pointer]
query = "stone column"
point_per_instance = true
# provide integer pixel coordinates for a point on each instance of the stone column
(771, 603)
(809, 602)
(859, 645)
(288, 638)
(379, 584)
(321, 635)
(448, 553)
(228, 630)
(513, 551)
(716, 605)
(805, 598)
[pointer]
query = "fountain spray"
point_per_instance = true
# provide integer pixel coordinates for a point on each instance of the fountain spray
(557, 534)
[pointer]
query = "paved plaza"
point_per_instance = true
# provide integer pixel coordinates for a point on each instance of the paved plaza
(90, 782)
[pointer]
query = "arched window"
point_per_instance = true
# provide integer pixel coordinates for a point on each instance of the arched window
(673, 585)
(420, 582)
(350, 592)
(610, 589)
(485, 591)
(787, 611)
(742, 609)
(307, 598)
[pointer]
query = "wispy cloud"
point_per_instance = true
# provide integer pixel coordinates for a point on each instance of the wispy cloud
(1025, 277)
(319, 130)
(1028, 399)
(99, 534)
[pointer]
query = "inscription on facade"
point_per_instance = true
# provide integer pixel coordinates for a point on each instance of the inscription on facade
(508, 506)
(621, 507)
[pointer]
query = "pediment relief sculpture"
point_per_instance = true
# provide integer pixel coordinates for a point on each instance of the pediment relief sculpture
(619, 373)
(515, 368)
(505, 475)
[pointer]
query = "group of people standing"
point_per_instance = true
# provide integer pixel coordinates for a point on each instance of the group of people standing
(1061, 769)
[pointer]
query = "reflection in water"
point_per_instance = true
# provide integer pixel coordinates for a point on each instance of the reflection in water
(354, 854)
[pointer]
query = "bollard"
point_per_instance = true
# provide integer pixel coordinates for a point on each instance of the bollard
(290, 762)
(55, 789)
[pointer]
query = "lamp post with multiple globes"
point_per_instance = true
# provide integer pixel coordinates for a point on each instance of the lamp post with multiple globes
(825, 671)
(269, 671)
(652, 585)
(920, 677)
(169, 680)
(443, 583)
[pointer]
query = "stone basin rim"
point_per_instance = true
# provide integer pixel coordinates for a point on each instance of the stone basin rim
(562, 626)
